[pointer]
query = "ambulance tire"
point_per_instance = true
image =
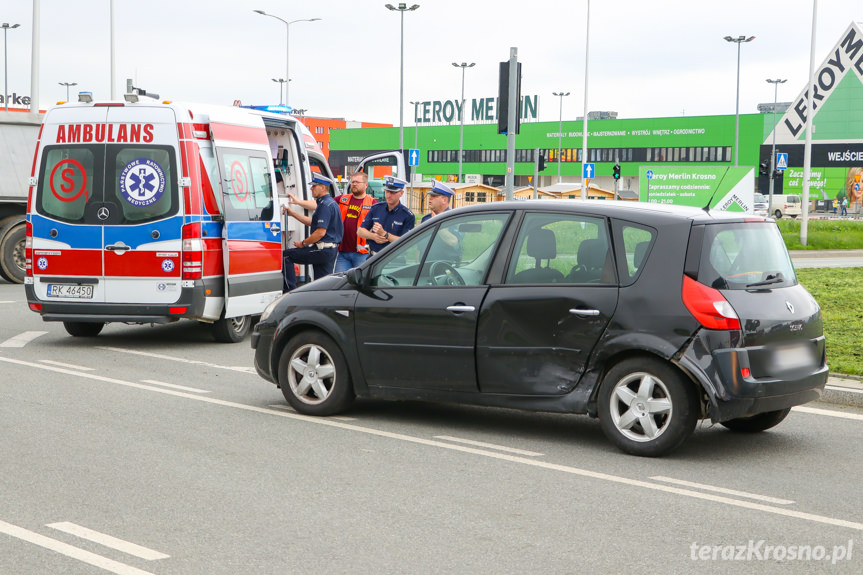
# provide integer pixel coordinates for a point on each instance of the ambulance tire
(12, 256)
(232, 329)
(83, 328)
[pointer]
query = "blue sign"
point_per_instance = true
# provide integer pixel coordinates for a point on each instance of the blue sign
(413, 157)
(649, 174)
(782, 162)
(588, 171)
(142, 182)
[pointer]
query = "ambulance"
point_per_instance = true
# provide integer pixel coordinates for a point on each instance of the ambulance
(148, 212)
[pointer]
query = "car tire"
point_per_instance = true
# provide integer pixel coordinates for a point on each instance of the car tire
(756, 423)
(83, 328)
(647, 407)
(778, 214)
(232, 329)
(313, 375)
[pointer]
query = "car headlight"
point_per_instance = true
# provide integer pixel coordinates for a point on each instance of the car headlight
(269, 309)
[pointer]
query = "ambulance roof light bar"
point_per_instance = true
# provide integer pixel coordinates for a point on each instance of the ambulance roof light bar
(85, 97)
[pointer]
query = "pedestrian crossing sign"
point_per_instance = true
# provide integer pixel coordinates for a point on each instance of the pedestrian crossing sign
(782, 161)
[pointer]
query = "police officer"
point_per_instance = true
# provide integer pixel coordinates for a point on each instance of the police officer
(447, 242)
(389, 220)
(321, 247)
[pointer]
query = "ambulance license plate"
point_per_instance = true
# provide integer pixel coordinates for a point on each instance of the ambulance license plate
(71, 291)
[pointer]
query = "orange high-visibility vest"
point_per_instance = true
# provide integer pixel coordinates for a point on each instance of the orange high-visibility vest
(344, 203)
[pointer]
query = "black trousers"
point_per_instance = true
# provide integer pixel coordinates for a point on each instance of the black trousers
(322, 262)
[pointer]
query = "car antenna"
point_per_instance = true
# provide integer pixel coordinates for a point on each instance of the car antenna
(707, 207)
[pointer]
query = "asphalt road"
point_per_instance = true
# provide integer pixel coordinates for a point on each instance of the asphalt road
(155, 450)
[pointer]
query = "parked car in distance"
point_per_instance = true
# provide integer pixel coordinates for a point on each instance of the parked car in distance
(649, 317)
(760, 206)
(786, 205)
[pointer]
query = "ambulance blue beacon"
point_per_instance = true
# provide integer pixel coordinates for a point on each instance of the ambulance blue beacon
(147, 212)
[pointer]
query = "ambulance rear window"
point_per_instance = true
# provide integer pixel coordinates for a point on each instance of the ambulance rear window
(143, 182)
(66, 183)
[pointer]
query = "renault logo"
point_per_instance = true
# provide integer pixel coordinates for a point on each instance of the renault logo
(789, 306)
(103, 213)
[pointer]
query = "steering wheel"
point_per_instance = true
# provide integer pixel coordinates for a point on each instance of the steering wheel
(447, 274)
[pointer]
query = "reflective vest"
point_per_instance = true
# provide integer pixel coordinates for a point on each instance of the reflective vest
(344, 204)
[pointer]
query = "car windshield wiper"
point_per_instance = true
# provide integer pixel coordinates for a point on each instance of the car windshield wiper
(771, 279)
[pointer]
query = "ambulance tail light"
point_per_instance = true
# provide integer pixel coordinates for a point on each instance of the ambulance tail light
(28, 249)
(193, 252)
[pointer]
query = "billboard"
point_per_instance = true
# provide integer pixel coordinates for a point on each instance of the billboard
(730, 189)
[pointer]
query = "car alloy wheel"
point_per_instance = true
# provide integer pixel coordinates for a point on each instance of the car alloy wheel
(313, 375)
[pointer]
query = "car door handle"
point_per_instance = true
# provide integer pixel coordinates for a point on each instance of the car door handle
(460, 308)
(575, 311)
(275, 228)
(118, 248)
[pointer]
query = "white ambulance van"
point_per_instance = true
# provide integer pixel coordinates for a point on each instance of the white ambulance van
(148, 212)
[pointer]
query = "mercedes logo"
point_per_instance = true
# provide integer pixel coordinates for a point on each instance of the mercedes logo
(103, 213)
(789, 306)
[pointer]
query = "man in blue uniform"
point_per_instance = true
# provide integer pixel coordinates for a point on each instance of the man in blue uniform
(321, 247)
(447, 242)
(389, 220)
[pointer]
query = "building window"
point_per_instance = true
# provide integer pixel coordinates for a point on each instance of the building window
(470, 196)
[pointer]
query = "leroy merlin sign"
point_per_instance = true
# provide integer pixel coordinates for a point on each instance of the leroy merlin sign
(729, 189)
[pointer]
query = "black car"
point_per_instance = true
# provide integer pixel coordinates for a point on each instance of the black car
(648, 317)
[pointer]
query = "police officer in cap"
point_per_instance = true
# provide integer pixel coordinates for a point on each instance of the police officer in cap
(389, 220)
(447, 242)
(321, 247)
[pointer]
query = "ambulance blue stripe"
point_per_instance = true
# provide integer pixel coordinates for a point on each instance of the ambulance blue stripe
(77, 236)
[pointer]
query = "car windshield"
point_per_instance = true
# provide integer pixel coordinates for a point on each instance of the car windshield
(743, 256)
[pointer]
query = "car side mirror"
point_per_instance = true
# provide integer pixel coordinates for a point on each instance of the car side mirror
(355, 277)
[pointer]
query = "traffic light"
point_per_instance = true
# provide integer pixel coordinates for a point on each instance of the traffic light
(764, 168)
(777, 174)
(616, 170)
(540, 163)
(503, 99)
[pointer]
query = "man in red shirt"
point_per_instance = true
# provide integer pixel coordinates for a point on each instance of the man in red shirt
(354, 206)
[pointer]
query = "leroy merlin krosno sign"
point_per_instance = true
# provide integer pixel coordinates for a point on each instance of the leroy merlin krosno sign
(730, 189)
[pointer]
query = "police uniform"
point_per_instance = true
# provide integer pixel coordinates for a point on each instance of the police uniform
(398, 221)
(321, 255)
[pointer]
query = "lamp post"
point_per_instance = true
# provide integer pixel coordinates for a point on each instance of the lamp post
(6, 26)
(560, 131)
(775, 83)
(463, 66)
(402, 8)
(739, 40)
(67, 84)
(287, 46)
(280, 81)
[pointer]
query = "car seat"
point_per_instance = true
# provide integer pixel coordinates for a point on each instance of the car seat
(541, 245)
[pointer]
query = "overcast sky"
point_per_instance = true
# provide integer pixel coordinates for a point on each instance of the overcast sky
(647, 59)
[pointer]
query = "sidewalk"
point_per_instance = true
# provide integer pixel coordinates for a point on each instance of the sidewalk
(825, 253)
(843, 390)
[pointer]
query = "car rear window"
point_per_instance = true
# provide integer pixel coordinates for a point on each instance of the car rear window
(748, 255)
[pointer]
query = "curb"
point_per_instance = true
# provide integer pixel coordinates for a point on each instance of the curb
(843, 390)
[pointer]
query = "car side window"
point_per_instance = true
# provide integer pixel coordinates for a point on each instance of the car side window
(462, 250)
(636, 245)
(398, 265)
(561, 249)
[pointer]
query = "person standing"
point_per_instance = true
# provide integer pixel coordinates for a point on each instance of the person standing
(447, 242)
(320, 248)
(845, 206)
(354, 207)
(387, 221)
(440, 197)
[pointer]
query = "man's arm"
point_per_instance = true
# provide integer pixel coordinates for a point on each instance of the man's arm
(303, 218)
(309, 205)
(313, 238)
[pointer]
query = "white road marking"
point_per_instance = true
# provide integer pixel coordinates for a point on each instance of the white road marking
(843, 389)
(69, 365)
(828, 412)
(465, 449)
(292, 410)
(174, 386)
(7, 301)
(69, 550)
(22, 339)
(489, 446)
(242, 369)
(107, 541)
(723, 490)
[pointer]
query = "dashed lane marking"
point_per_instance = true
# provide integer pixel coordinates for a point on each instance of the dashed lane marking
(715, 489)
(108, 541)
(22, 339)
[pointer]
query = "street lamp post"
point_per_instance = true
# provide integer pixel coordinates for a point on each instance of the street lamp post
(287, 46)
(775, 83)
(6, 26)
(280, 81)
(739, 40)
(463, 66)
(402, 8)
(67, 84)
(560, 131)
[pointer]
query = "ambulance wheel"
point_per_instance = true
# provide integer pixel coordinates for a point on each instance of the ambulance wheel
(83, 328)
(232, 329)
(12, 250)
(313, 375)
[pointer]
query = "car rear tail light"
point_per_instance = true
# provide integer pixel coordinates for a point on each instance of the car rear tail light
(708, 306)
(193, 252)
(28, 249)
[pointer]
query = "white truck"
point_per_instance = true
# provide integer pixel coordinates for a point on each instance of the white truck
(19, 132)
(783, 205)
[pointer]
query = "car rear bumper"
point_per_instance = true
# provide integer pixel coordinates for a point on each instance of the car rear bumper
(734, 389)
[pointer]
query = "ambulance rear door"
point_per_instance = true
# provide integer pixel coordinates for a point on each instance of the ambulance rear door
(251, 240)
